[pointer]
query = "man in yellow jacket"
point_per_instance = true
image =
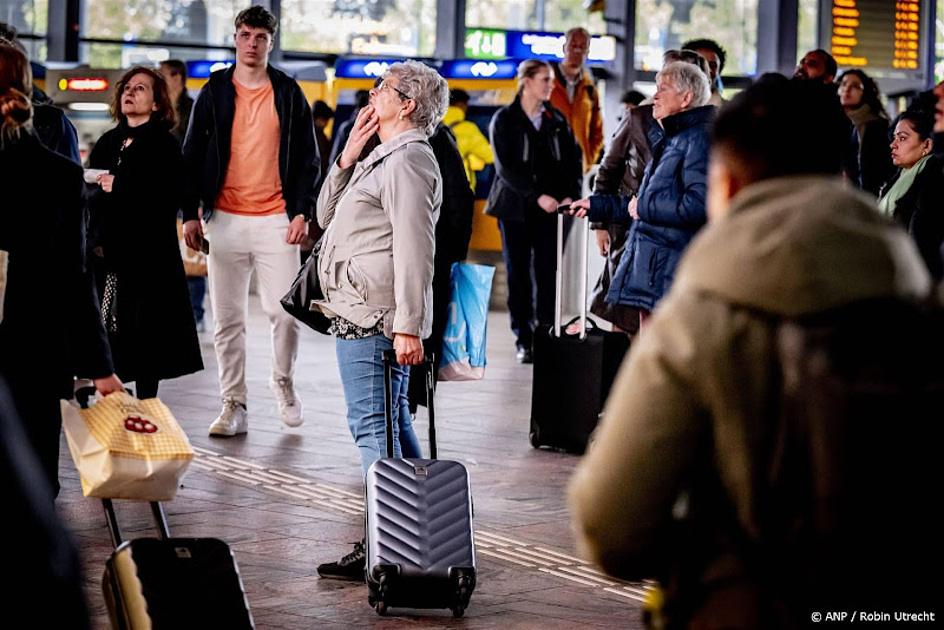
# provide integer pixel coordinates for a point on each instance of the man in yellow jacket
(576, 96)
(473, 145)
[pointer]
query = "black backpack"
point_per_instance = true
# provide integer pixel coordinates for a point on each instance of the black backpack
(856, 466)
(848, 517)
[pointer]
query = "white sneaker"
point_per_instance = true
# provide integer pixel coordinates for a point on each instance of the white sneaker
(290, 408)
(232, 420)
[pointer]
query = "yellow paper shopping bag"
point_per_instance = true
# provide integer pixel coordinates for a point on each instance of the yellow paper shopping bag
(125, 448)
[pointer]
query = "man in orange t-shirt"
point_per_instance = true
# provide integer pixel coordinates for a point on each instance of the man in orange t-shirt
(252, 163)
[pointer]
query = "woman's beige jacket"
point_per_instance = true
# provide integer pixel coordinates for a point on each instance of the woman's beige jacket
(377, 256)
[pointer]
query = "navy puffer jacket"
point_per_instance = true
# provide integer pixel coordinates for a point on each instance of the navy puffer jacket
(671, 208)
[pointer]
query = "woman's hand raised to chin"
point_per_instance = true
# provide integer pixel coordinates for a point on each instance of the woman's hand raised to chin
(365, 126)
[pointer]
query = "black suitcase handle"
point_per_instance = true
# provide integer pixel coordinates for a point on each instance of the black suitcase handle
(389, 359)
(589, 324)
(157, 510)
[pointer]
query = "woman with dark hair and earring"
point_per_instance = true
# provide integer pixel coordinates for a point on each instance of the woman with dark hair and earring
(50, 326)
(913, 196)
(538, 166)
(861, 100)
(134, 246)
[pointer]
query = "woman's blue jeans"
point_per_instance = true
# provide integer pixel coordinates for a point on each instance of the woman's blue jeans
(360, 362)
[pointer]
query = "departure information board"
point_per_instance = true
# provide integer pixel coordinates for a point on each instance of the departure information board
(885, 37)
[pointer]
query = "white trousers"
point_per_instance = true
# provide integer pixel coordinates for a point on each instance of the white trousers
(239, 245)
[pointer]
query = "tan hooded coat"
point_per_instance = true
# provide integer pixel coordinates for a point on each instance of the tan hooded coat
(703, 368)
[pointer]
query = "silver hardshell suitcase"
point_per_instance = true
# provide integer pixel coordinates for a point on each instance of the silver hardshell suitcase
(420, 551)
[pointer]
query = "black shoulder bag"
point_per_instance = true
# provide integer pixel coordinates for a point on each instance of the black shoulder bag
(305, 288)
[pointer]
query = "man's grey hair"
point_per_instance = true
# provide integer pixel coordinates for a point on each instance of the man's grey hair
(427, 89)
(574, 31)
(687, 78)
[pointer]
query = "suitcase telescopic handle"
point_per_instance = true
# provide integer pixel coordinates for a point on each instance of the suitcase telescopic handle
(157, 510)
(559, 288)
(430, 395)
(389, 360)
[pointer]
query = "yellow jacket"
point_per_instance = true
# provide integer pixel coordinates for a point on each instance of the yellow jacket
(473, 145)
(583, 114)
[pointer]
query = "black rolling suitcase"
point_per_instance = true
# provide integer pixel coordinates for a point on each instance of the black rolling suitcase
(172, 583)
(420, 551)
(572, 373)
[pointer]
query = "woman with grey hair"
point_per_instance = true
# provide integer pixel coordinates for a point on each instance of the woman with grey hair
(621, 172)
(376, 265)
(670, 206)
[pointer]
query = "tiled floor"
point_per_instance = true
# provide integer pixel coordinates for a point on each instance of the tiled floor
(286, 500)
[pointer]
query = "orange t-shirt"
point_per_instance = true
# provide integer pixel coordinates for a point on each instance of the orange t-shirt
(252, 185)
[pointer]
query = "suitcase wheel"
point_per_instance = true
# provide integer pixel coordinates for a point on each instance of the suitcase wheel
(376, 597)
(465, 585)
(534, 439)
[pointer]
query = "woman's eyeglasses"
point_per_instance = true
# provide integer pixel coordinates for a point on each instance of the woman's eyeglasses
(383, 85)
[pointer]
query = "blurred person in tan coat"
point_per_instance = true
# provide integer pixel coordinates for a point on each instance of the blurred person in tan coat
(684, 480)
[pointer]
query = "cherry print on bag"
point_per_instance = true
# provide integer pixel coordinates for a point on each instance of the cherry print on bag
(140, 425)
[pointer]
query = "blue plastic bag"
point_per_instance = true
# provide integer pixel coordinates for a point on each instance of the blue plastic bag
(463, 353)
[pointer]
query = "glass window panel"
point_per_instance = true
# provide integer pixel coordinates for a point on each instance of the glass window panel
(198, 21)
(505, 14)
(119, 56)
(939, 43)
(366, 27)
(27, 16)
(539, 15)
(807, 26)
(662, 25)
(35, 48)
(563, 15)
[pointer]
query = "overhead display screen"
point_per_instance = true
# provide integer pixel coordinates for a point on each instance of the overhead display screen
(887, 38)
(490, 43)
(479, 69)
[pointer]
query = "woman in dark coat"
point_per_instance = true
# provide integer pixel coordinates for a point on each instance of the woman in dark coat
(914, 195)
(453, 232)
(860, 99)
(538, 166)
(145, 300)
(50, 326)
(670, 208)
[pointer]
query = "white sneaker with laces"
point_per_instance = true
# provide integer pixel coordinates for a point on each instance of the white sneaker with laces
(232, 420)
(290, 407)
